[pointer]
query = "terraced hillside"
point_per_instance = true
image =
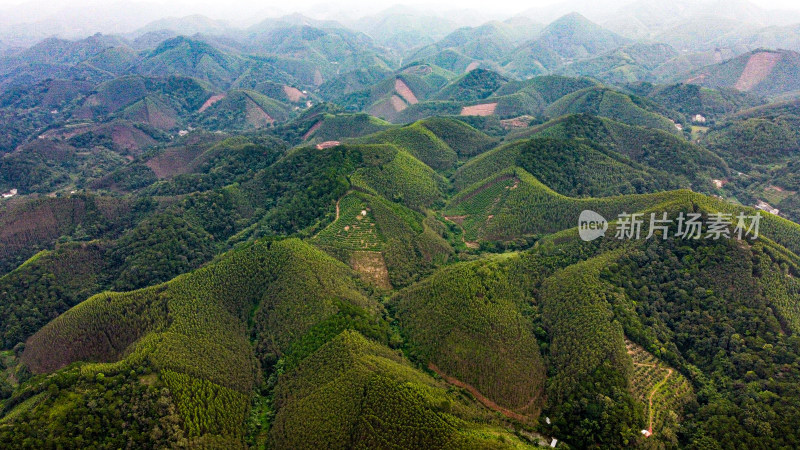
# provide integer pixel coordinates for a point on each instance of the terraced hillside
(653, 148)
(487, 93)
(662, 389)
(388, 244)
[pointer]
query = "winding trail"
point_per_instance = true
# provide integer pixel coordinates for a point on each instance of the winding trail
(337, 211)
(459, 220)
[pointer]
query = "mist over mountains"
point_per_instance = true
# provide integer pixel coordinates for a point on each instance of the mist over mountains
(644, 39)
(635, 19)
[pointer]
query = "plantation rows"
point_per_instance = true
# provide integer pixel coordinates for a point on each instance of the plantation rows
(404, 180)
(333, 127)
(481, 207)
(419, 142)
(718, 312)
(353, 230)
(205, 407)
(484, 166)
(411, 244)
(194, 329)
(533, 208)
(467, 319)
(615, 105)
(464, 139)
(352, 390)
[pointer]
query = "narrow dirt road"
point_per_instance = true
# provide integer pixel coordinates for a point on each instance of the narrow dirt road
(481, 398)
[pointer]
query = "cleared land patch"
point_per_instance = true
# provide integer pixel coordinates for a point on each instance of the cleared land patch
(294, 94)
(213, 99)
(757, 69)
(405, 92)
(372, 268)
(485, 109)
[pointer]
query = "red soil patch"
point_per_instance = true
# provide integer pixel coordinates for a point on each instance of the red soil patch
(397, 103)
(481, 398)
(757, 69)
(486, 109)
(311, 130)
(213, 99)
(323, 146)
(293, 93)
(516, 122)
(318, 78)
(405, 92)
(472, 66)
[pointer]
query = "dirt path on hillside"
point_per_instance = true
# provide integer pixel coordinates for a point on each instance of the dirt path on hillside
(337, 211)
(481, 398)
(459, 220)
(340, 199)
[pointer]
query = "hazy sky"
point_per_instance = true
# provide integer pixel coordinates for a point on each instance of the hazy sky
(512, 5)
(82, 17)
(242, 7)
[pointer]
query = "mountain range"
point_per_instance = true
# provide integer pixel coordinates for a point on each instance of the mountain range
(331, 232)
